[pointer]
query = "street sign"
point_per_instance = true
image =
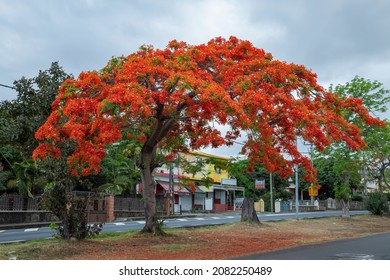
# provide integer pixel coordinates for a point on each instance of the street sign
(229, 181)
(260, 184)
(313, 191)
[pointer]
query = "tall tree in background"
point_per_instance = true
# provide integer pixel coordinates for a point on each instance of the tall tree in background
(23, 116)
(238, 169)
(19, 120)
(376, 157)
(175, 99)
(119, 169)
(373, 160)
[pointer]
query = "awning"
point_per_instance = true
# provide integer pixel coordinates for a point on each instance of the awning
(228, 188)
(176, 189)
(205, 189)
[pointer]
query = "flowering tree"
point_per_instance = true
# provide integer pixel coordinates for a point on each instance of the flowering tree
(175, 99)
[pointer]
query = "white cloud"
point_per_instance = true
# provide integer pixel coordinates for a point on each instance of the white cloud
(337, 39)
(90, 3)
(205, 20)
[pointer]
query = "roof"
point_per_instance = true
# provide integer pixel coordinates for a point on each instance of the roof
(209, 155)
(178, 189)
(228, 188)
(205, 189)
(218, 187)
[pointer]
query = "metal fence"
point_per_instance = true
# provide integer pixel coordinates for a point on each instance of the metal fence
(128, 204)
(11, 202)
(135, 203)
(99, 209)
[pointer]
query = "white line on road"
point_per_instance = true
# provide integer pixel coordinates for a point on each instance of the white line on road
(2, 231)
(13, 241)
(141, 222)
(216, 218)
(200, 219)
(230, 217)
(182, 220)
(119, 224)
(273, 215)
(31, 229)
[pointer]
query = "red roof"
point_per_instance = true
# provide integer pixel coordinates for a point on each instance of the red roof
(165, 185)
(176, 189)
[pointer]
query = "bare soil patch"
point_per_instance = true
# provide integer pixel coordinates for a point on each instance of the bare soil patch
(206, 243)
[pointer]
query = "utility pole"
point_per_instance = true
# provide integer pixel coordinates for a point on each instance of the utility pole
(271, 191)
(312, 199)
(296, 188)
(171, 189)
(296, 193)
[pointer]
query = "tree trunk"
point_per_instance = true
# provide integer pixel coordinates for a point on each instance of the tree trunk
(345, 208)
(248, 213)
(381, 178)
(152, 225)
(65, 228)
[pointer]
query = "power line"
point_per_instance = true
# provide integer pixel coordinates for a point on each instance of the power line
(7, 86)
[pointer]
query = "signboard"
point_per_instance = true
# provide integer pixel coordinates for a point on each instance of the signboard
(229, 181)
(260, 184)
(313, 191)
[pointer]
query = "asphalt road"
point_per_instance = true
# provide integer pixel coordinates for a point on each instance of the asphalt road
(25, 234)
(373, 247)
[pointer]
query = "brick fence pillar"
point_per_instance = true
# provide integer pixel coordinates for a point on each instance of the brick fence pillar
(109, 201)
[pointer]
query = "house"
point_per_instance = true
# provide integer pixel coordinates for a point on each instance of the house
(190, 190)
(182, 196)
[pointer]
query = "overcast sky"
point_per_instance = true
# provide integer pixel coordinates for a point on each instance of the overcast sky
(337, 39)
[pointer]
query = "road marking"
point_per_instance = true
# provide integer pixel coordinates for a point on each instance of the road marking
(216, 218)
(13, 241)
(182, 220)
(200, 219)
(354, 256)
(273, 215)
(31, 229)
(141, 222)
(2, 231)
(119, 224)
(230, 217)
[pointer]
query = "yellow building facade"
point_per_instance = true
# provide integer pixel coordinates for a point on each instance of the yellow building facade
(221, 193)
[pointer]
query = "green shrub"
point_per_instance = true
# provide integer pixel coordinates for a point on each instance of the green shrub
(357, 197)
(377, 203)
